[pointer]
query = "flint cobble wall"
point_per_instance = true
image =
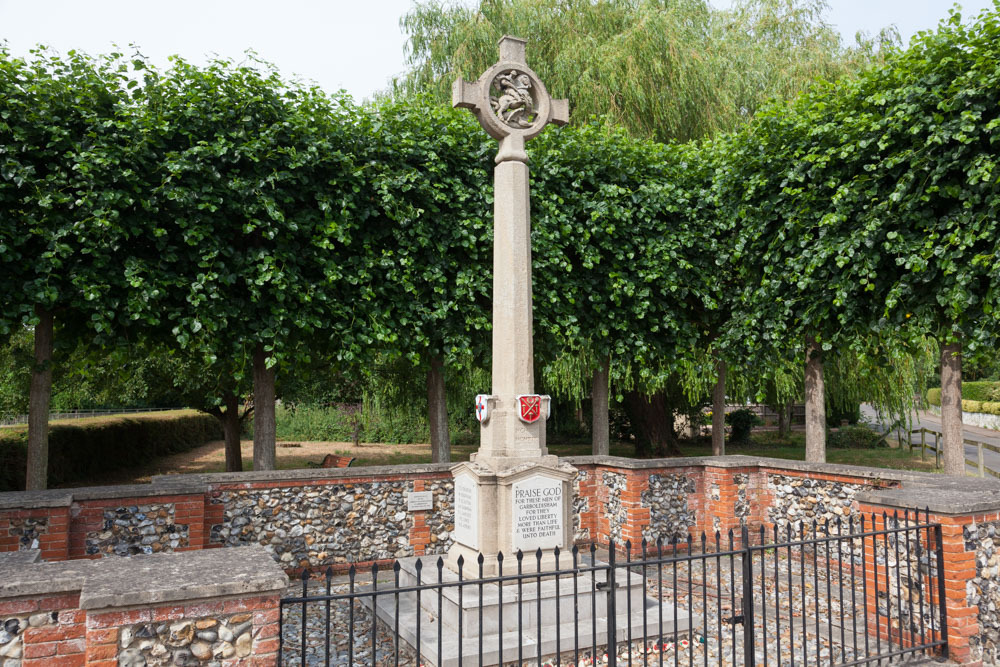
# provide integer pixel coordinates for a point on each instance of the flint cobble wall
(315, 519)
(308, 526)
(798, 502)
(983, 590)
(670, 516)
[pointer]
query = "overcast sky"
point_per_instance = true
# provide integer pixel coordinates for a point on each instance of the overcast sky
(350, 44)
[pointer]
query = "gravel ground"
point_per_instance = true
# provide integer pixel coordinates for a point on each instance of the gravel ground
(710, 593)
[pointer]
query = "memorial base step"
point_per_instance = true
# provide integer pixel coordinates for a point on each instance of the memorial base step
(530, 634)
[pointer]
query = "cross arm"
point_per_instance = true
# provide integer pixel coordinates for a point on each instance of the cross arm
(560, 112)
(463, 94)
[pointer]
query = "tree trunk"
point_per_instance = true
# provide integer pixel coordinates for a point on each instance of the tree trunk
(437, 413)
(953, 448)
(264, 425)
(231, 427)
(652, 424)
(815, 404)
(784, 416)
(600, 430)
(37, 473)
(719, 411)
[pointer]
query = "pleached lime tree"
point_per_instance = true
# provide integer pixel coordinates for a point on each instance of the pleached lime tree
(61, 233)
(256, 201)
(870, 206)
(428, 175)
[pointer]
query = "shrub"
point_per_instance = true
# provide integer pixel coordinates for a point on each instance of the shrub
(934, 396)
(972, 406)
(991, 407)
(82, 451)
(855, 437)
(742, 421)
(981, 391)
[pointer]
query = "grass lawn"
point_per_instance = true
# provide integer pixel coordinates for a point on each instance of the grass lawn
(303, 454)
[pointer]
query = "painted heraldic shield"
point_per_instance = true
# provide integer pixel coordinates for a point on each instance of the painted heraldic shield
(482, 408)
(529, 407)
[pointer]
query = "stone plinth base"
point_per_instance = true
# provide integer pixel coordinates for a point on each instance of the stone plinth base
(546, 615)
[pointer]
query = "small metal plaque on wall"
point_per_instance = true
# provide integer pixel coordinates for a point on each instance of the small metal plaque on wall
(418, 501)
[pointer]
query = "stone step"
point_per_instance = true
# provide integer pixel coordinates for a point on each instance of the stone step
(527, 637)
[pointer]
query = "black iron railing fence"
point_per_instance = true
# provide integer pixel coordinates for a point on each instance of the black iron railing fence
(848, 592)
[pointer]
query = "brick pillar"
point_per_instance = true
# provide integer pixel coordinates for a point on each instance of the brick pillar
(637, 516)
(719, 500)
(959, 568)
(420, 531)
(54, 544)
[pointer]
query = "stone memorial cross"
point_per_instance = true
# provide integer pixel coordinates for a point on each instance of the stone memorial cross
(512, 494)
(512, 105)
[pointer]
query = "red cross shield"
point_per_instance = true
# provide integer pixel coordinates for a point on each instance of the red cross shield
(529, 407)
(482, 408)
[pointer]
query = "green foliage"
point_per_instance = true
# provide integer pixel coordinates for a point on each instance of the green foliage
(870, 200)
(250, 213)
(16, 358)
(85, 450)
(60, 141)
(369, 422)
(850, 413)
(934, 396)
(247, 210)
(981, 391)
(855, 437)
(975, 396)
(742, 421)
(615, 59)
(429, 239)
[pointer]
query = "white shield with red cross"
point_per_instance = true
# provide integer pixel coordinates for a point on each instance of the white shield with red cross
(529, 407)
(483, 408)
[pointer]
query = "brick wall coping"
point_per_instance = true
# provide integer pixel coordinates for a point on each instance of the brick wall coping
(303, 474)
(148, 580)
(45, 578)
(751, 462)
(50, 498)
(66, 497)
(942, 494)
(18, 558)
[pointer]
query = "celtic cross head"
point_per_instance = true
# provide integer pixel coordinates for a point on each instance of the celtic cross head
(510, 101)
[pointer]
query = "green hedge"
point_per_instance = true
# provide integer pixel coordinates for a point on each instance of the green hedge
(934, 396)
(981, 391)
(85, 451)
(855, 437)
(989, 405)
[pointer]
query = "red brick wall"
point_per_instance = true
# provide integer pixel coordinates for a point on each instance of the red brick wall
(60, 644)
(53, 543)
(103, 628)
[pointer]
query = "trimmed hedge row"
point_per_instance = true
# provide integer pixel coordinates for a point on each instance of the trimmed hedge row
(84, 451)
(969, 404)
(981, 391)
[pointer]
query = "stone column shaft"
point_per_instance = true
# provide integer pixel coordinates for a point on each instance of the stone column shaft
(513, 371)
